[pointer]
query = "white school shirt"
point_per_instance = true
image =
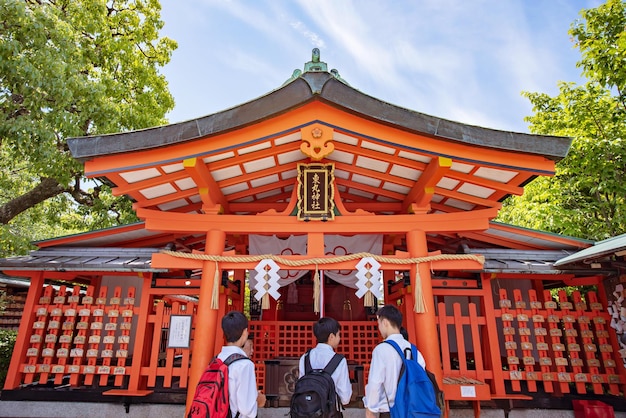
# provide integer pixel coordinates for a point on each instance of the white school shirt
(242, 388)
(319, 358)
(382, 380)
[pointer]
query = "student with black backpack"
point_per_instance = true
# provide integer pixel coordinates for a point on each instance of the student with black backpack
(324, 384)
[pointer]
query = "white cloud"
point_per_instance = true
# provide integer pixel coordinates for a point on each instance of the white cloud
(459, 60)
(315, 39)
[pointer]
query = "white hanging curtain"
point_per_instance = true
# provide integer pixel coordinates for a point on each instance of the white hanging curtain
(271, 244)
(338, 245)
(334, 245)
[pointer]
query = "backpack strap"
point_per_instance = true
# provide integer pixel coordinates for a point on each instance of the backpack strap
(230, 360)
(307, 362)
(333, 363)
(330, 367)
(412, 352)
(234, 357)
(403, 356)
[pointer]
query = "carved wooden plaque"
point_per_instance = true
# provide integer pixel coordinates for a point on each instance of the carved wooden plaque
(316, 192)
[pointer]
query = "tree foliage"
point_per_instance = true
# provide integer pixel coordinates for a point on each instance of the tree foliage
(71, 68)
(587, 196)
(7, 343)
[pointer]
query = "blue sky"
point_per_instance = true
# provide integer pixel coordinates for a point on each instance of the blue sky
(463, 60)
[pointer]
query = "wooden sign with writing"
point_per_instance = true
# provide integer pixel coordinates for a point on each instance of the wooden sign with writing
(316, 190)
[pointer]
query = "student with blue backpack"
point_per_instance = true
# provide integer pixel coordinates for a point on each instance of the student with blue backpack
(397, 384)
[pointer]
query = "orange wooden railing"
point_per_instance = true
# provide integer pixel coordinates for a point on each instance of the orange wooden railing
(510, 344)
(287, 339)
(564, 344)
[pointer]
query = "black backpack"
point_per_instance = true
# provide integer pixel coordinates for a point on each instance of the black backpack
(315, 394)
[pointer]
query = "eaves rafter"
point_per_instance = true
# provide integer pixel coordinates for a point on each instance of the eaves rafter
(213, 199)
(168, 198)
(423, 190)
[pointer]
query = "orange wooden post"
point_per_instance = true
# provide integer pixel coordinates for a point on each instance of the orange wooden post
(315, 244)
(494, 353)
(475, 321)
(23, 335)
(155, 348)
(206, 326)
(616, 375)
(444, 320)
(139, 348)
(426, 322)
(460, 339)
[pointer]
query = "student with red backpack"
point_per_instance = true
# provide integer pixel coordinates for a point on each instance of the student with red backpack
(228, 386)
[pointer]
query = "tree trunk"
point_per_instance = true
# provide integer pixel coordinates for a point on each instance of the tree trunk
(46, 189)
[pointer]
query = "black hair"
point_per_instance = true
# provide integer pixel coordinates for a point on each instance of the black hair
(233, 324)
(404, 333)
(324, 327)
(391, 314)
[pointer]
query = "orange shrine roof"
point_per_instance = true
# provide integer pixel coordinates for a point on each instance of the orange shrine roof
(382, 153)
(388, 160)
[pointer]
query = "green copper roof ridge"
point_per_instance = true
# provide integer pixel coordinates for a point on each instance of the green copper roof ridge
(315, 66)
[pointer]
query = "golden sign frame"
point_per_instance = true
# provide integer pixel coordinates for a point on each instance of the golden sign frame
(316, 192)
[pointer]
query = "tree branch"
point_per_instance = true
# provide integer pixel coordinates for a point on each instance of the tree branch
(47, 188)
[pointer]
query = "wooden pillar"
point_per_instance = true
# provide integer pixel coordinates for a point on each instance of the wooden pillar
(25, 329)
(494, 355)
(315, 244)
(141, 348)
(425, 323)
(207, 319)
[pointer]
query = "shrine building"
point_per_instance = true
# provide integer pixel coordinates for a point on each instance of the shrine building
(317, 200)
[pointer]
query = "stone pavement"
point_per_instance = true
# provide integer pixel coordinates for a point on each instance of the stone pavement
(33, 409)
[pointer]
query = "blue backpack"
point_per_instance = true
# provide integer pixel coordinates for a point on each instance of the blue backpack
(415, 396)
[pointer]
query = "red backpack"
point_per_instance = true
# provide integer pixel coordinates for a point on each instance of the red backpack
(211, 397)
